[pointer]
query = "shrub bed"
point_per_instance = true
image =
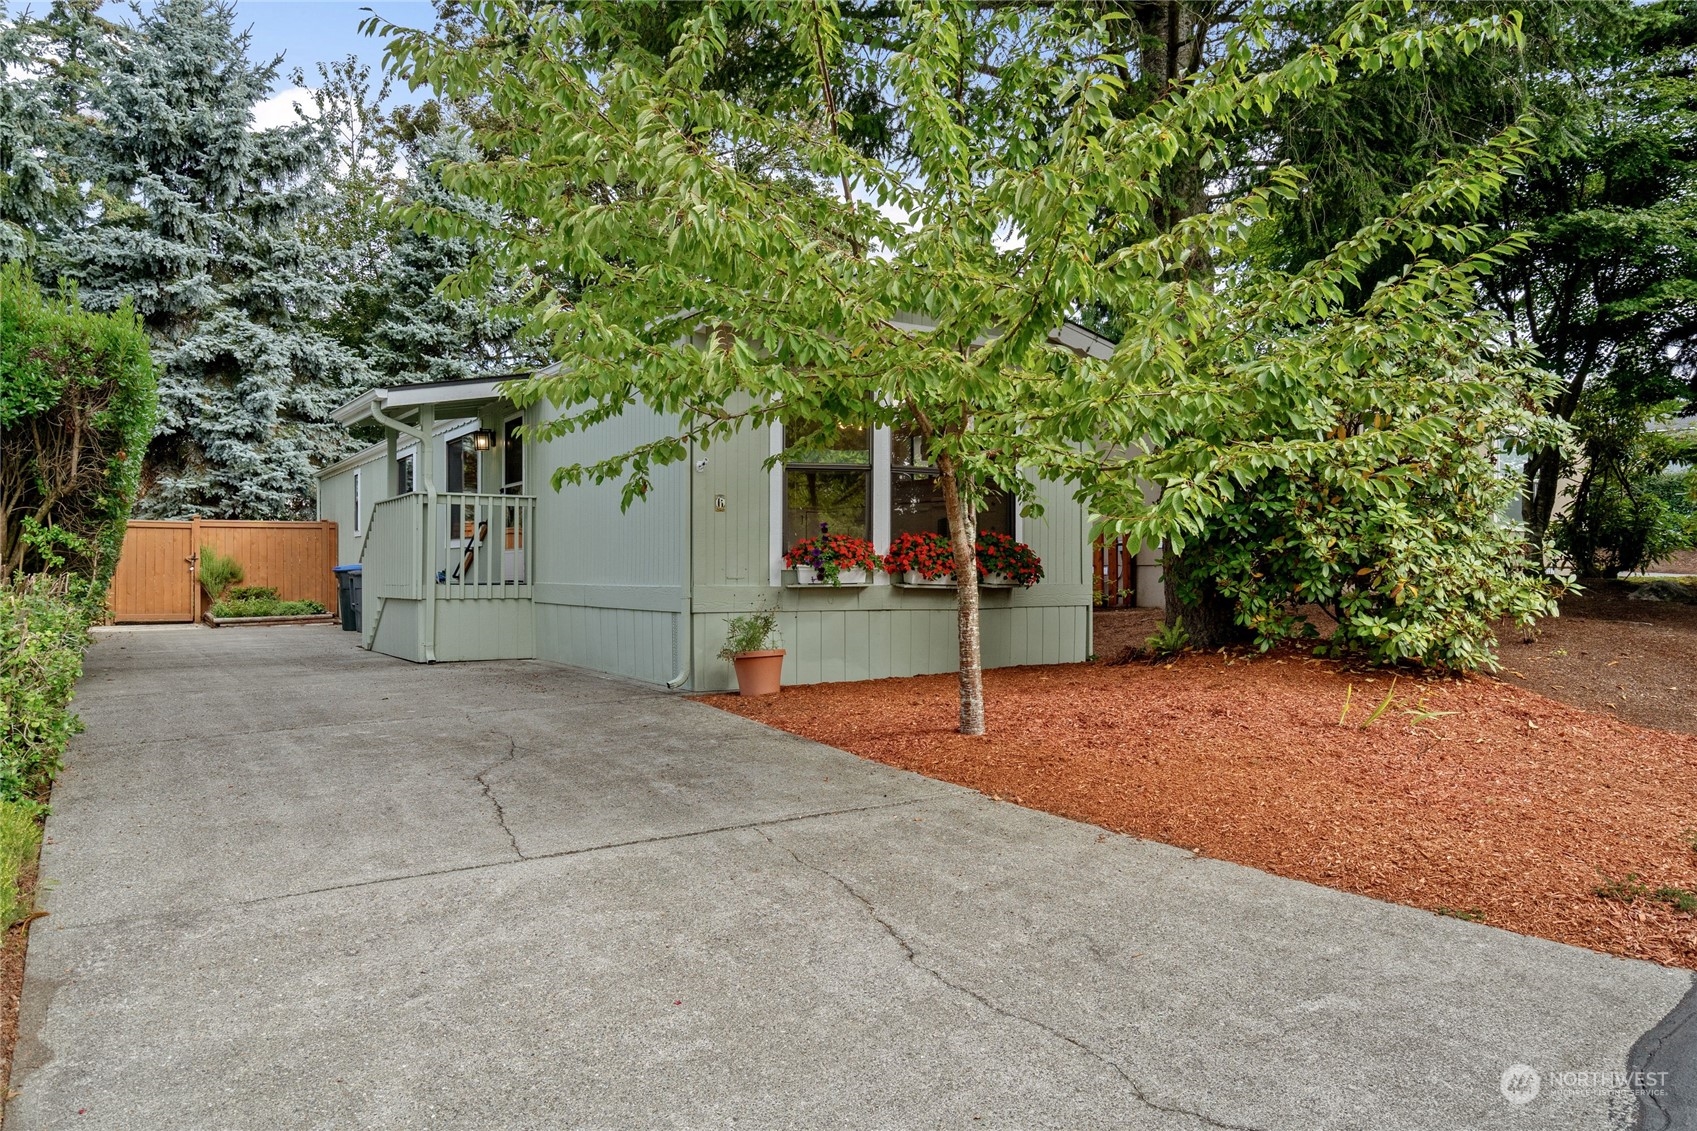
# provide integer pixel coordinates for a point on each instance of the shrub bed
(264, 607)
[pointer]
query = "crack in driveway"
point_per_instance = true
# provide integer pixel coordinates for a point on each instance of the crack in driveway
(482, 779)
(911, 954)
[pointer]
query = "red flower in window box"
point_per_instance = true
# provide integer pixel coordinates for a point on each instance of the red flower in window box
(927, 555)
(999, 554)
(830, 554)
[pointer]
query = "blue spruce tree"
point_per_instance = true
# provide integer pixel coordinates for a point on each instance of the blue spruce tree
(198, 218)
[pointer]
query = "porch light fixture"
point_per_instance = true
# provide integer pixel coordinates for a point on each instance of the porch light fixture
(483, 439)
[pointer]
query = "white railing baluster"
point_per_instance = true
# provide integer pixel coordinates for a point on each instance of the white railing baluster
(501, 559)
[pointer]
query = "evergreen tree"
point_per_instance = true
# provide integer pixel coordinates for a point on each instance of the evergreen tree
(396, 311)
(196, 218)
(43, 67)
(1606, 288)
(414, 329)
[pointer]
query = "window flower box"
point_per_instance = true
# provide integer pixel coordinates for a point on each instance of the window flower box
(832, 559)
(807, 577)
(921, 559)
(909, 579)
(927, 561)
(1005, 563)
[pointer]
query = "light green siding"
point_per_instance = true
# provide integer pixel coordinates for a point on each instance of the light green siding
(646, 592)
(398, 626)
(872, 633)
(629, 642)
(485, 629)
(732, 545)
(336, 501)
(612, 585)
(886, 631)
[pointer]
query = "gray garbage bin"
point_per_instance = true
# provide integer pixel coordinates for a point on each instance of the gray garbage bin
(347, 595)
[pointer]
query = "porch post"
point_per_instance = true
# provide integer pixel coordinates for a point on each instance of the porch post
(394, 480)
(427, 475)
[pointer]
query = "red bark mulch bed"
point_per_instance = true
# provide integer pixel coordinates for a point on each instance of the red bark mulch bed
(1635, 660)
(14, 946)
(1469, 797)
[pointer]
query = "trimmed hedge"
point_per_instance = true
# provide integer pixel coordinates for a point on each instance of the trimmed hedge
(77, 407)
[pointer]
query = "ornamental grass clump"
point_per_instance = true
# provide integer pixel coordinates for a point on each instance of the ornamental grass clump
(219, 573)
(829, 555)
(751, 632)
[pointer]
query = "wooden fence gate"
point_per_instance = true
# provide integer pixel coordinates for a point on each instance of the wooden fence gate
(157, 580)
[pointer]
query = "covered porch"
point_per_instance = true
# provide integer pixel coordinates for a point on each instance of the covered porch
(446, 553)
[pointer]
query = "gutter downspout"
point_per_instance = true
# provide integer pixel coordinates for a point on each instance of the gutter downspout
(427, 473)
(688, 633)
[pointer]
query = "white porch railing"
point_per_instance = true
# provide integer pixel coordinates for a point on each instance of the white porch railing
(483, 545)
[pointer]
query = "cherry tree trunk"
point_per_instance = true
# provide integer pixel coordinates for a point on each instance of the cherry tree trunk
(963, 530)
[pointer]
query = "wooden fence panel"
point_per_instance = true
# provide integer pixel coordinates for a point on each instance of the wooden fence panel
(294, 558)
(1115, 574)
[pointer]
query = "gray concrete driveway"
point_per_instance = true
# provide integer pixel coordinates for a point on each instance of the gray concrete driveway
(293, 884)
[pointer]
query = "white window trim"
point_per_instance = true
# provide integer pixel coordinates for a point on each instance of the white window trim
(524, 455)
(359, 511)
(881, 451)
(775, 507)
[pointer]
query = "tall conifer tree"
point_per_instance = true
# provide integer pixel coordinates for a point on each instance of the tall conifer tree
(195, 215)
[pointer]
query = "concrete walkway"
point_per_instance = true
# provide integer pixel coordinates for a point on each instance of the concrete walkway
(294, 884)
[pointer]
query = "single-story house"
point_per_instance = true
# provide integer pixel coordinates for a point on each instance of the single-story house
(468, 554)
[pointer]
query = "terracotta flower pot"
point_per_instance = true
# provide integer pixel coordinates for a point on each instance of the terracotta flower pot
(759, 673)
